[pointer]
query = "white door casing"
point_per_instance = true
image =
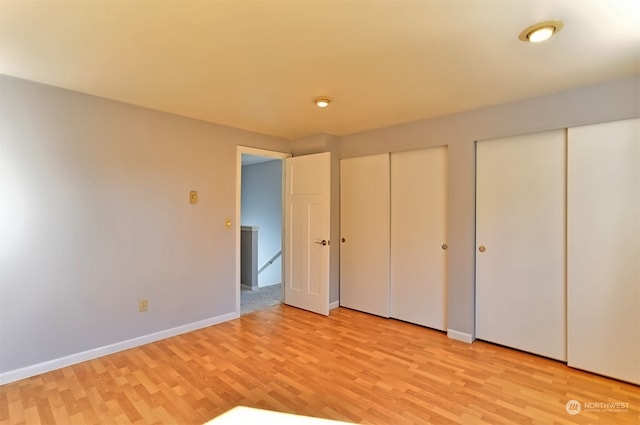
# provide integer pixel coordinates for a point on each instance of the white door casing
(307, 227)
(418, 237)
(364, 230)
(520, 237)
(603, 239)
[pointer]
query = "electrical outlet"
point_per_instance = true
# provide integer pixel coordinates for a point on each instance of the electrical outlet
(143, 305)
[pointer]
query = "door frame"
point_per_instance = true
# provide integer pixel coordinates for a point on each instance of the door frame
(240, 150)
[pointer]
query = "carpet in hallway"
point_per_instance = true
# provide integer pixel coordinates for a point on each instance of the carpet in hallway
(260, 299)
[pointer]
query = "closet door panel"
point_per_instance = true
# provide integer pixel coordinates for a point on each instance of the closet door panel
(520, 236)
(364, 229)
(418, 232)
(604, 249)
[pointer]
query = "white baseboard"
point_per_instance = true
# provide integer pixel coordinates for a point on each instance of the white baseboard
(460, 336)
(37, 369)
(333, 305)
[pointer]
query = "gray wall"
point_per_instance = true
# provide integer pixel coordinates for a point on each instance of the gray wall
(614, 100)
(95, 215)
(262, 207)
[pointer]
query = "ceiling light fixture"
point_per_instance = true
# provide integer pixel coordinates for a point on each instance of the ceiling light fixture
(541, 31)
(322, 102)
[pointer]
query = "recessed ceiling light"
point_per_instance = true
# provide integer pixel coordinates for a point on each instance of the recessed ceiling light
(541, 31)
(322, 102)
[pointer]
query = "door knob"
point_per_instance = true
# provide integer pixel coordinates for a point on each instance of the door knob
(482, 248)
(323, 243)
(344, 240)
(445, 246)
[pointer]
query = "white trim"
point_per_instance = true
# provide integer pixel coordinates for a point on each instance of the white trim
(49, 365)
(334, 305)
(460, 336)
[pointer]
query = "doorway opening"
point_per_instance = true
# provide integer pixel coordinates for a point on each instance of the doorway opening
(260, 233)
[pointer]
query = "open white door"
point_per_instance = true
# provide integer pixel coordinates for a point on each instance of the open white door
(307, 224)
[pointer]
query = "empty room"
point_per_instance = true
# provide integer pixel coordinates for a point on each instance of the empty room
(441, 197)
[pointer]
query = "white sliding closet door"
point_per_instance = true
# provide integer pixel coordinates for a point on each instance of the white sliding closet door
(418, 236)
(604, 249)
(520, 236)
(364, 232)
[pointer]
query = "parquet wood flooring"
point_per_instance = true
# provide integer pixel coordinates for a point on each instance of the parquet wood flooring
(350, 366)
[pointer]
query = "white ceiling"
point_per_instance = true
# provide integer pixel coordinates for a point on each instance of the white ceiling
(257, 65)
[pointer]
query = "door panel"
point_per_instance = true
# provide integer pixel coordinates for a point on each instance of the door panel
(307, 224)
(364, 228)
(604, 249)
(316, 264)
(520, 213)
(299, 257)
(418, 232)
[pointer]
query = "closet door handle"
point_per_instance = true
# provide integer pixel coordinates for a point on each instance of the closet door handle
(482, 248)
(323, 243)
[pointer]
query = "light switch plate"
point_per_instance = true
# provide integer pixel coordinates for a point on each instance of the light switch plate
(143, 305)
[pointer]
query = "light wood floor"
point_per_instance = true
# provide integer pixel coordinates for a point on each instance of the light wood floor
(351, 366)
